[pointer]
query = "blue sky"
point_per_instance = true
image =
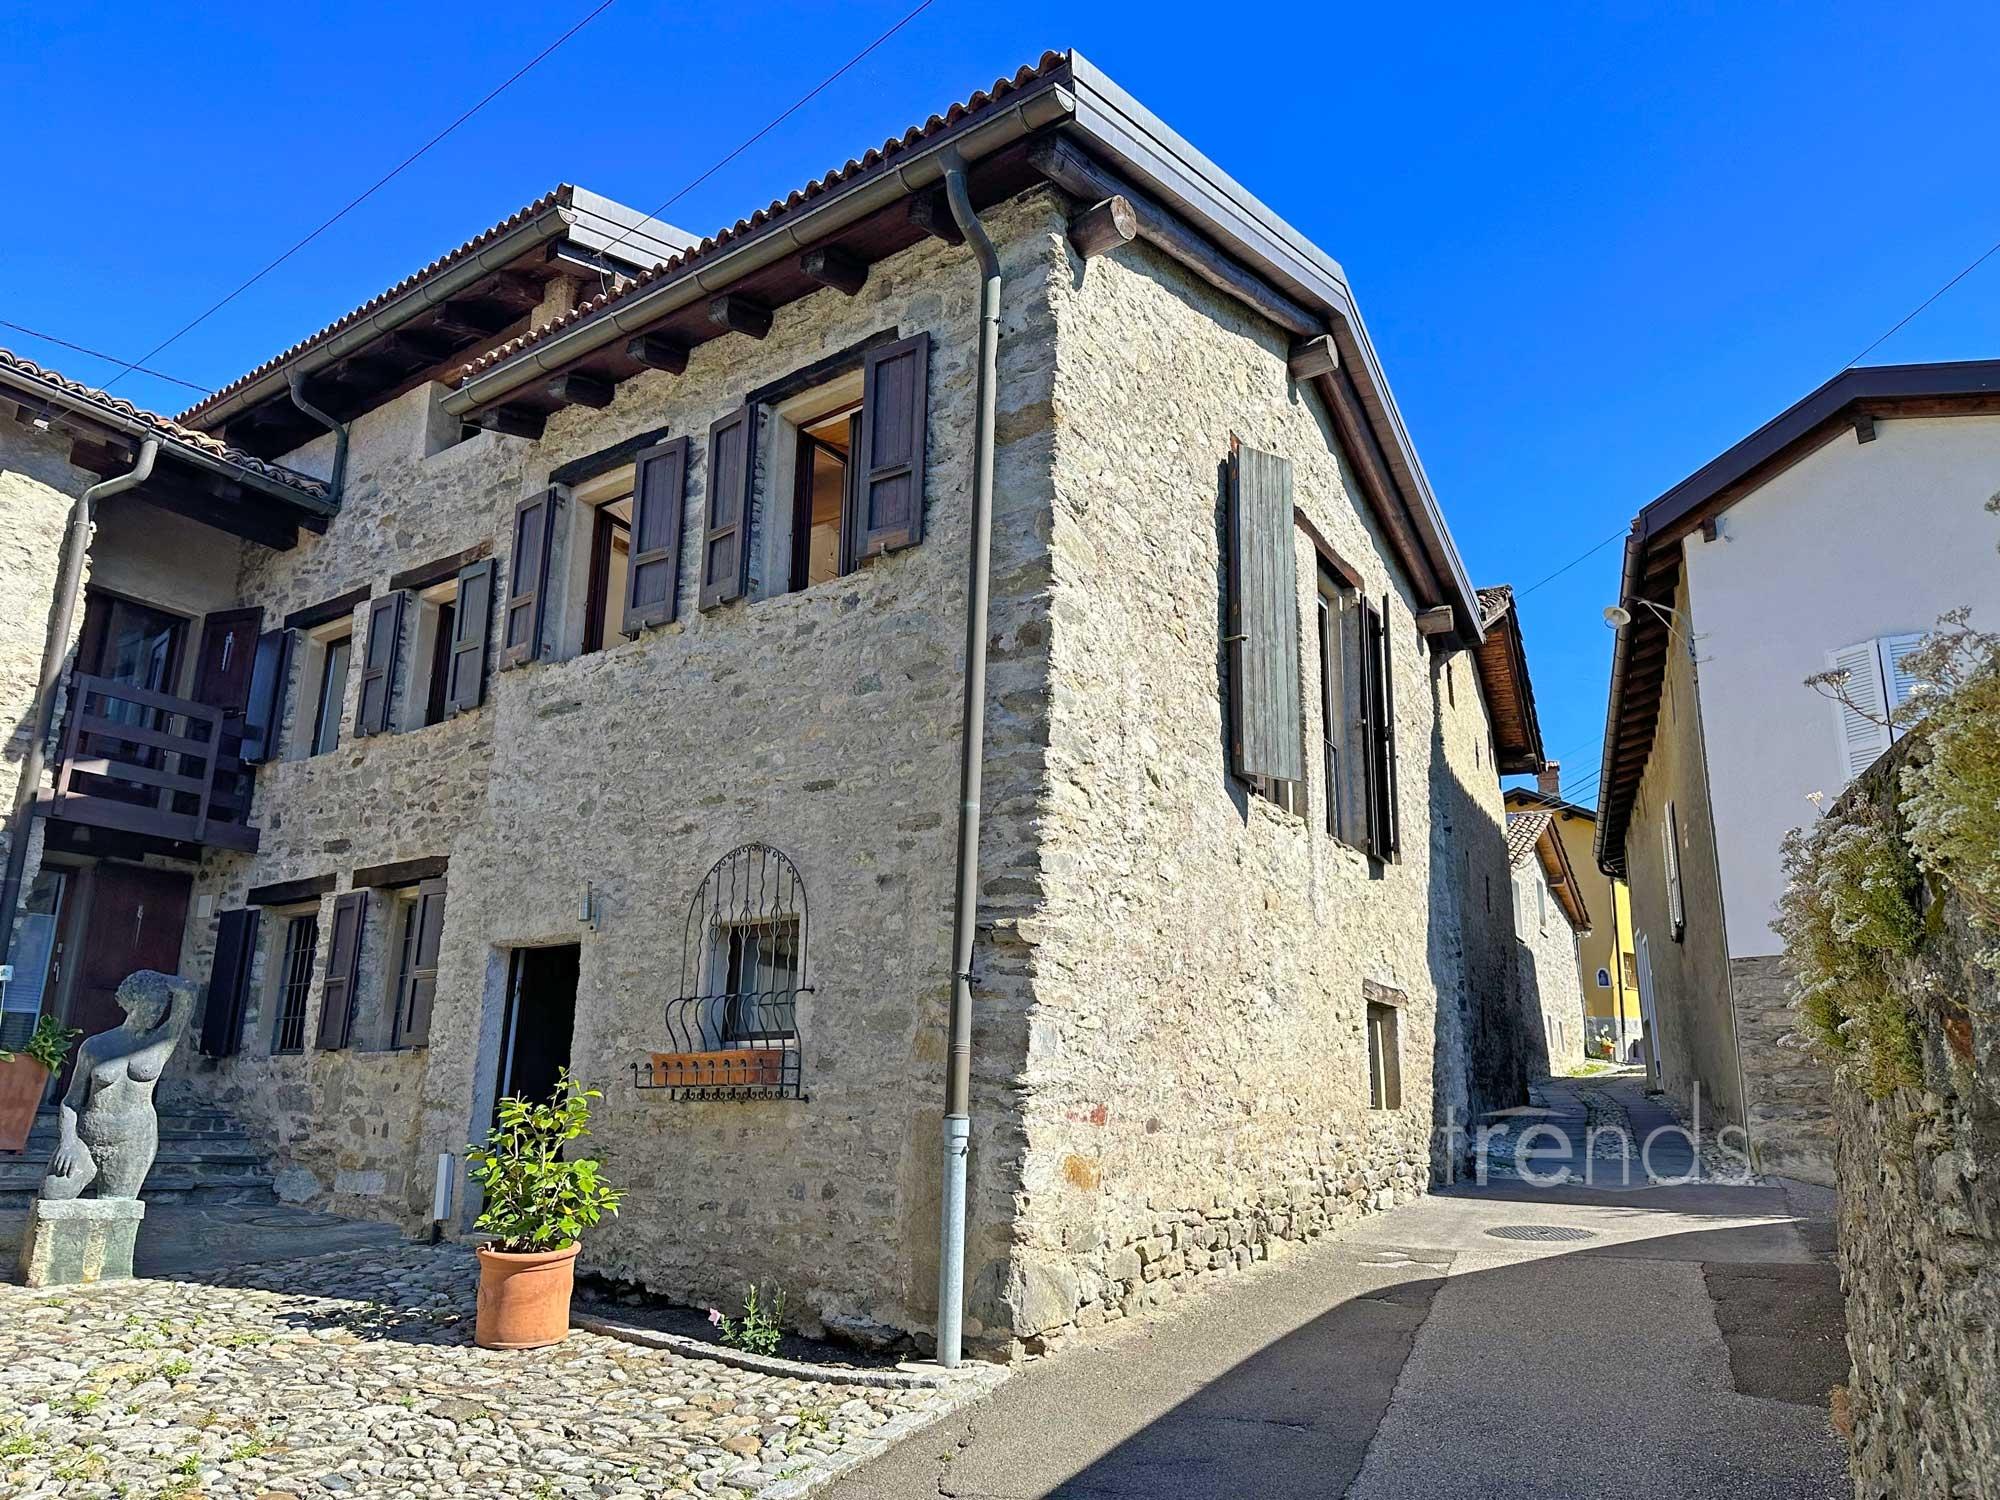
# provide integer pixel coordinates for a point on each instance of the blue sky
(1594, 246)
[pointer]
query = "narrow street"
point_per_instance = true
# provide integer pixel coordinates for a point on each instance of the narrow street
(1505, 1340)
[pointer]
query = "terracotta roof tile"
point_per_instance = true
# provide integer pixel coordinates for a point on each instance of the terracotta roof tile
(1494, 602)
(1524, 830)
(559, 195)
(916, 135)
(166, 427)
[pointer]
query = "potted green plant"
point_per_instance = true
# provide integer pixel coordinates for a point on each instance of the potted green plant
(25, 1075)
(537, 1205)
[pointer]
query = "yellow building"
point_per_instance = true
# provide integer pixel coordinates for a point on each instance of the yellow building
(1606, 954)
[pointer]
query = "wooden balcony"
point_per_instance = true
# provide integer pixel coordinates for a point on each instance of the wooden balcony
(153, 766)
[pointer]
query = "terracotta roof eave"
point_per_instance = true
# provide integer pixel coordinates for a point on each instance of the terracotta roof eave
(111, 413)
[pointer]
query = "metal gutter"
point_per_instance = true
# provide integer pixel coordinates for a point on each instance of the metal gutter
(1041, 104)
(336, 479)
(55, 652)
(1614, 711)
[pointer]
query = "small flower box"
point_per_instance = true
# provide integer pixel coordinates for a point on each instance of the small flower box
(737, 1068)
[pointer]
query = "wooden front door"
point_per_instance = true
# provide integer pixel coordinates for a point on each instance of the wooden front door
(134, 920)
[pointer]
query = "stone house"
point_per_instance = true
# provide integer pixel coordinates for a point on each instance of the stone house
(1607, 963)
(582, 616)
(1550, 921)
(1867, 499)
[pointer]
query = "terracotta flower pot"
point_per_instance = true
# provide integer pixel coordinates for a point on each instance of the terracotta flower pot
(22, 1083)
(524, 1298)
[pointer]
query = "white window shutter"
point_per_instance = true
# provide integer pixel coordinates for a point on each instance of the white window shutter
(1896, 651)
(1861, 713)
(1670, 861)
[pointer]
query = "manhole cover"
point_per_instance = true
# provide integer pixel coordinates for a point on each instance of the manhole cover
(1542, 1233)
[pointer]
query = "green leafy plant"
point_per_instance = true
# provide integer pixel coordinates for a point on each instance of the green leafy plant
(1951, 790)
(758, 1330)
(48, 1044)
(536, 1199)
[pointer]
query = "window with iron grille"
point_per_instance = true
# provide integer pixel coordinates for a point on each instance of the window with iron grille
(294, 981)
(733, 1030)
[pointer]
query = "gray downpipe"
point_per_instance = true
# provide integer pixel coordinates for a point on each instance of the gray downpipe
(55, 651)
(972, 744)
(338, 429)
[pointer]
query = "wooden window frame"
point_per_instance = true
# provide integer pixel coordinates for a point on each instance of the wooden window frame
(342, 642)
(297, 954)
(803, 447)
(604, 529)
(1382, 1031)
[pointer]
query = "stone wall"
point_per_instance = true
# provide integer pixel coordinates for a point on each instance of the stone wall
(1790, 1096)
(1919, 1180)
(1196, 1088)
(1551, 994)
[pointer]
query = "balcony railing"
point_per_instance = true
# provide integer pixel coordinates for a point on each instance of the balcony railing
(146, 763)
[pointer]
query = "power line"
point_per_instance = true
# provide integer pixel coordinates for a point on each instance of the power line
(1913, 312)
(50, 338)
(798, 104)
(1581, 557)
(376, 187)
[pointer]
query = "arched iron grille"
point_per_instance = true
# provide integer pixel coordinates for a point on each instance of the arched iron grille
(733, 1029)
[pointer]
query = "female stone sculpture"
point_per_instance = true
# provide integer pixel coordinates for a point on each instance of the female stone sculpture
(109, 1131)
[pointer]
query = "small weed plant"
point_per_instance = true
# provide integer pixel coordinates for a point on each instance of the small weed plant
(758, 1330)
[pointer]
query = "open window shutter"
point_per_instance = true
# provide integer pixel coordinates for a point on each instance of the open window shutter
(528, 578)
(264, 715)
(1374, 729)
(1670, 839)
(378, 665)
(414, 1025)
(1392, 831)
(471, 622)
(1861, 712)
(895, 401)
(229, 982)
(1897, 677)
(652, 575)
(1265, 733)
(732, 464)
(343, 960)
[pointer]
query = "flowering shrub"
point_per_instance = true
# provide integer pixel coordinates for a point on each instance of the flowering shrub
(757, 1332)
(1951, 793)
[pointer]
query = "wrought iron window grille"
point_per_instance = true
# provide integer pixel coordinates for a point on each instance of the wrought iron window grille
(733, 1030)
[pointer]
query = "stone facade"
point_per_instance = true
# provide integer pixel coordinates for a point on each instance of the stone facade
(1551, 994)
(1171, 1075)
(1791, 1113)
(1920, 1227)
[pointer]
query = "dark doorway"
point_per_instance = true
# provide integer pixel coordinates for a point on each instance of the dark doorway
(133, 919)
(541, 1015)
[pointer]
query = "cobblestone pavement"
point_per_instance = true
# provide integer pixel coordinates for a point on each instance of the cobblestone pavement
(354, 1374)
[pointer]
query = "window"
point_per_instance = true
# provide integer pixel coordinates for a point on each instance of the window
(418, 924)
(428, 700)
(1670, 860)
(1357, 705)
(1874, 682)
(330, 691)
(292, 981)
(1541, 906)
(1385, 1057)
(754, 969)
(610, 566)
(823, 498)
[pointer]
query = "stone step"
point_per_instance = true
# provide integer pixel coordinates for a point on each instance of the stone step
(202, 1152)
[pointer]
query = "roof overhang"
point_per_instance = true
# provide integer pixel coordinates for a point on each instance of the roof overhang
(1849, 404)
(1064, 122)
(1561, 876)
(237, 496)
(1501, 658)
(423, 328)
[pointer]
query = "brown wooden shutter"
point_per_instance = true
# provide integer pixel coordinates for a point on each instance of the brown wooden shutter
(264, 715)
(1392, 827)
(414, 1023)
(1265, 712)
(732, 467)
(1378, 730)
(895, 404)
(528, 578)
(229, 982)
(1368, 726)
(652, 575)
(471, 624)
(343, 962)
(378, 664)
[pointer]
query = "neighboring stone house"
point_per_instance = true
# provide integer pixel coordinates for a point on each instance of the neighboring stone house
(1550, 919)
(1606, 960)
(603, 710)
(1829, 539)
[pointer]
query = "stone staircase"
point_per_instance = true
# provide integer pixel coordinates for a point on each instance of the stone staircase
(203, 1154)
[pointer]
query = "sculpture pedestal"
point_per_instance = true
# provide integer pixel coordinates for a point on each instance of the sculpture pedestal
(83, 1239)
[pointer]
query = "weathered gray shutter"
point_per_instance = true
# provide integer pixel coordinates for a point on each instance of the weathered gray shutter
(652, 574)
(229, 982)
(528, 578)
(1265, 733)
(895, 403)
(1391, 823)
(413, 1028)
(378, 663)
(1369, 728)
(471, 622)
(264, 715)
(343, 962)
(732, 465)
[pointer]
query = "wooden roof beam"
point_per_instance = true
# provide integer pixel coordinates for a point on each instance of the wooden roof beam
(739, 314)
(657, 353)
(574, 388)
(829, 265)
